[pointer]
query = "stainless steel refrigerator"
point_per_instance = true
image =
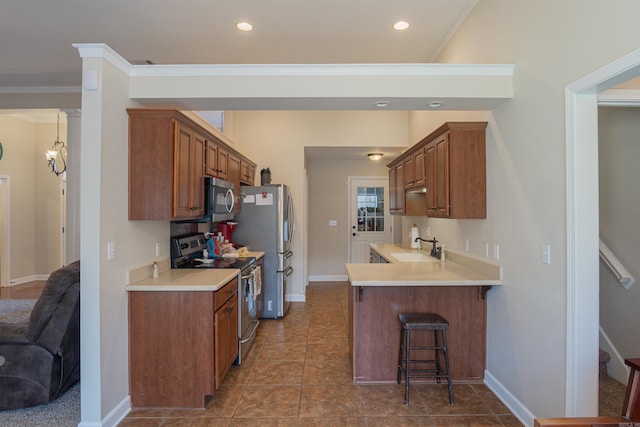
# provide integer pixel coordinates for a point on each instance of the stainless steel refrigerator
(266, 223)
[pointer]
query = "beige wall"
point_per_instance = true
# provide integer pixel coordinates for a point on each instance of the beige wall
(552, 44)
(34, 216)
(328, 196)
(619, 154)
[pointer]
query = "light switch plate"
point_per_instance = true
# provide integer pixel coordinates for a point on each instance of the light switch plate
(111, 250)
(546, 254)
(333, 223)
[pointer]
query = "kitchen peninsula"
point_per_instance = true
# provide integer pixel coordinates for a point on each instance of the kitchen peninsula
(455, 288)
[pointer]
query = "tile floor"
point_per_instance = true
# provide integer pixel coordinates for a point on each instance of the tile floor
(297, 374)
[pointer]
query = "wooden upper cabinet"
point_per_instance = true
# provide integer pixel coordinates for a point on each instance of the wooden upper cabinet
(169, 156)
(453, 158)
(166, 166)
(459, 187)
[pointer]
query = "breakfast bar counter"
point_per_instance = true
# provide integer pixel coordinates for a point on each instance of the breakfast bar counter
(455, 288)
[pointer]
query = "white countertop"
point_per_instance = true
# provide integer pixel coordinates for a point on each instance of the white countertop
(458, 269)
(189, 279)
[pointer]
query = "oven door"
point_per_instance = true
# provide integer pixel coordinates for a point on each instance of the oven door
(247, 314)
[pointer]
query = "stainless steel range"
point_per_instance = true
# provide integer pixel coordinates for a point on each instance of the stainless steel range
(187, 252)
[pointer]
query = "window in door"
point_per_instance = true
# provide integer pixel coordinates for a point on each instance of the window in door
(370, 204)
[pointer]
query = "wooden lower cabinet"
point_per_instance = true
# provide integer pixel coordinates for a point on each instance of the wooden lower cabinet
(226, 333)
(374, 328)
(180, 346)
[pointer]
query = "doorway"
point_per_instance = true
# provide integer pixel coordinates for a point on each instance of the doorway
(369, 216)
(583, 230)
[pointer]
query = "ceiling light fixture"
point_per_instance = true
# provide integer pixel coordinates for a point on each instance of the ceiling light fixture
(401, 25)
(244, 26)
(382, 104)
(58, 149)
(435, 104)
(375, 156)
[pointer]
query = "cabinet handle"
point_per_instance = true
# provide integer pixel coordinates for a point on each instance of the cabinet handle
(230, 309)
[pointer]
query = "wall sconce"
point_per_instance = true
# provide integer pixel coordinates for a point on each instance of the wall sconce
(58, 150)
(375, 156)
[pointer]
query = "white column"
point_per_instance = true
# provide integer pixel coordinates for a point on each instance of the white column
(72, 227)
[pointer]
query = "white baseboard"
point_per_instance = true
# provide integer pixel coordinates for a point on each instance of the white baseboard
(27, 279)
(616, 367)
(329, 278)
(295, 298)
(117, 414)
(510, 401)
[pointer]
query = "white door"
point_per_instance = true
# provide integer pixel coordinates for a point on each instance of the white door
(370, 220)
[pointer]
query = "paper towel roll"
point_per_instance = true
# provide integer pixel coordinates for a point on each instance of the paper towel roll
(414, 235)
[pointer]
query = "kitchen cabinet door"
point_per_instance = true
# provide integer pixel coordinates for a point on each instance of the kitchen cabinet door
(418, 168)
(188, 188)
(223, 163)
(211, 159)
(226, 338)
(408, 172)
(248, 172)
(396, 189)
(441, 177)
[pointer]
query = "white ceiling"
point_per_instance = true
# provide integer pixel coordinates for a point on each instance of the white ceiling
(36, 36)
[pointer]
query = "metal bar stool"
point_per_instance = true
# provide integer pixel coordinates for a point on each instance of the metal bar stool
(423, 321)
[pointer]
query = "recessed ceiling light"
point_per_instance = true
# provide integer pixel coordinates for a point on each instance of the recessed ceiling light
(382, 104)
(244, 26)
(435, 104)
(401, 25)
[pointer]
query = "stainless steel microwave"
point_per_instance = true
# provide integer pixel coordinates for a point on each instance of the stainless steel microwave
(219, 200)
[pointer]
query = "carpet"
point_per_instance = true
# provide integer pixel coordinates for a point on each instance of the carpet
(62, 412)
(15, 310)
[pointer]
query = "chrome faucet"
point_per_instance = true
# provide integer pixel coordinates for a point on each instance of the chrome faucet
(434, 250)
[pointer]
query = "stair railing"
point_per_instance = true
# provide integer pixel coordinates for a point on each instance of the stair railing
(621, 273)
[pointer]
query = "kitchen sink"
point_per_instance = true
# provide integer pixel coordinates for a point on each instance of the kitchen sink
(412, 257)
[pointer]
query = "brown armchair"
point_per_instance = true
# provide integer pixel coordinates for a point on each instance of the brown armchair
(40, 359)
(630, 409)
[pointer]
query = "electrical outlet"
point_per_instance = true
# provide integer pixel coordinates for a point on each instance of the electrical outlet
(427, 231)
(496, 252)
(466, 245)
(157, 249)
(486, 249)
